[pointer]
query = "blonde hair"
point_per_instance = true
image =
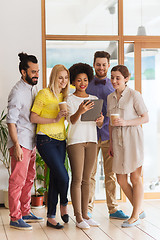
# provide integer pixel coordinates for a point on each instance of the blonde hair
(53, 80)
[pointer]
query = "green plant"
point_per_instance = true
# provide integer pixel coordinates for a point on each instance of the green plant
(5, 156)
(40, 176)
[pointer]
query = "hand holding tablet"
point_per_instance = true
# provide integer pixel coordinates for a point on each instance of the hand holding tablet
(95, 112)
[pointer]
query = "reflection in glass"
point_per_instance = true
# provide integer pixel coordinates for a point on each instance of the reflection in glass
(82, 17)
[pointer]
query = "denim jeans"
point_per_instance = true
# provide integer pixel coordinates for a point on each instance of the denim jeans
(53, 153)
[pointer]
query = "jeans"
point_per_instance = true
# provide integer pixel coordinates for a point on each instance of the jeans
(53, 153)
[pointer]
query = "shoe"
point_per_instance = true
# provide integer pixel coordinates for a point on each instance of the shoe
(126, 224)
(89, 215)
(20, 224)
(119, 214)
(142, 215)
(32, 218)
(91, 222)
(82, 225)
(57, 226)
(65, 218)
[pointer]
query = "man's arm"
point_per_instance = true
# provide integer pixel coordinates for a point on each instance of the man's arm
(18, 153)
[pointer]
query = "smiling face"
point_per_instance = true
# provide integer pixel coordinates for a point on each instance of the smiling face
(31, 75)
(81, 82)
(62, 79)
(118, 81)
(101, 66)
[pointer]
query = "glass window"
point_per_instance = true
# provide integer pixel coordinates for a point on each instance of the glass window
(141, 17)
(129, 62)
(70, 52)
(82, 17)
(150, 92)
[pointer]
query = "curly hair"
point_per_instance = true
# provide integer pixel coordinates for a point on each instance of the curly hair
(78, 68)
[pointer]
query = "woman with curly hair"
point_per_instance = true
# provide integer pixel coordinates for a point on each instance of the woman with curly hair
(81, 142)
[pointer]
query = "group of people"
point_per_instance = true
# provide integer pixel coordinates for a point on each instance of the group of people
(121, 143)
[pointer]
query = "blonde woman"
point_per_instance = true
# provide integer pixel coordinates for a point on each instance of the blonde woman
(51, 142)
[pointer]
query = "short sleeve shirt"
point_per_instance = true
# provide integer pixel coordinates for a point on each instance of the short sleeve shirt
(46, 105)
(128, 140)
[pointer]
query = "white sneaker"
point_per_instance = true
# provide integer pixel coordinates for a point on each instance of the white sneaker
(91, 222)
(82, 225)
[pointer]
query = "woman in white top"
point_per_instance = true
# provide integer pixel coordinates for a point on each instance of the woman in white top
(81, 142)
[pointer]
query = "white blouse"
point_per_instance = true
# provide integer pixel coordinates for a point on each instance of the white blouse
(81, 131)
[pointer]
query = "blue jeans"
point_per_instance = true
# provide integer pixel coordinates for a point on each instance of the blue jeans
(53, 153)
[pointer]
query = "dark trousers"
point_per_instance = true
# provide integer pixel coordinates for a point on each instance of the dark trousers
(53, 153)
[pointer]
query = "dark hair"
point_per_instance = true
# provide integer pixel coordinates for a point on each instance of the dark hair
(101, 54)
(78, 68)
(24, 59)
(122, 69)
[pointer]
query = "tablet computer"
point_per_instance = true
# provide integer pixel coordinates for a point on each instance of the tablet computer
(95, 112)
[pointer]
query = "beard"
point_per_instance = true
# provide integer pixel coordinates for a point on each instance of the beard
(31, 80)
(101, 75)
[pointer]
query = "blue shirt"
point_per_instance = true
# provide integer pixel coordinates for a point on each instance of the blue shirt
(102, 92)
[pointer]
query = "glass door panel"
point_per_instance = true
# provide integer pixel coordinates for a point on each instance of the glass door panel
(150, 75)
(70, 52)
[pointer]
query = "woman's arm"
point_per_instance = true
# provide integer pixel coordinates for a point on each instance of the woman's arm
(144, 118)
(35, 118)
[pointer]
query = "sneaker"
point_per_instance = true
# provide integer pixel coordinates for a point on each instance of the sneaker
(91, 222)
(32, 218)
(89, 215)
(82, 225)
(142, 215)
(119, 214)
(20, 224)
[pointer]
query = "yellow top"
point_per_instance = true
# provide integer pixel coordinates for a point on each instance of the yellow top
(46, 105)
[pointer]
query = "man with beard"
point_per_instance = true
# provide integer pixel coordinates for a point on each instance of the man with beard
(101, 87)
(21, 143)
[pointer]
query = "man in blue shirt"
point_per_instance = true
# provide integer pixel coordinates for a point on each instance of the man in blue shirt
(101, 87)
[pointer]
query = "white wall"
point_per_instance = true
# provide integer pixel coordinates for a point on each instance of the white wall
(20, 30)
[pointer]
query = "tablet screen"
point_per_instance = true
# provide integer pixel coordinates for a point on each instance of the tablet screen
(95, 112)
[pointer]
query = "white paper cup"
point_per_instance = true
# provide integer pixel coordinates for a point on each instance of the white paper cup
(63, 106)
(113, 117)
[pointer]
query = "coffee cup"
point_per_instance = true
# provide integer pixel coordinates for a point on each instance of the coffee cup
(113, 117)
(63, 106)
